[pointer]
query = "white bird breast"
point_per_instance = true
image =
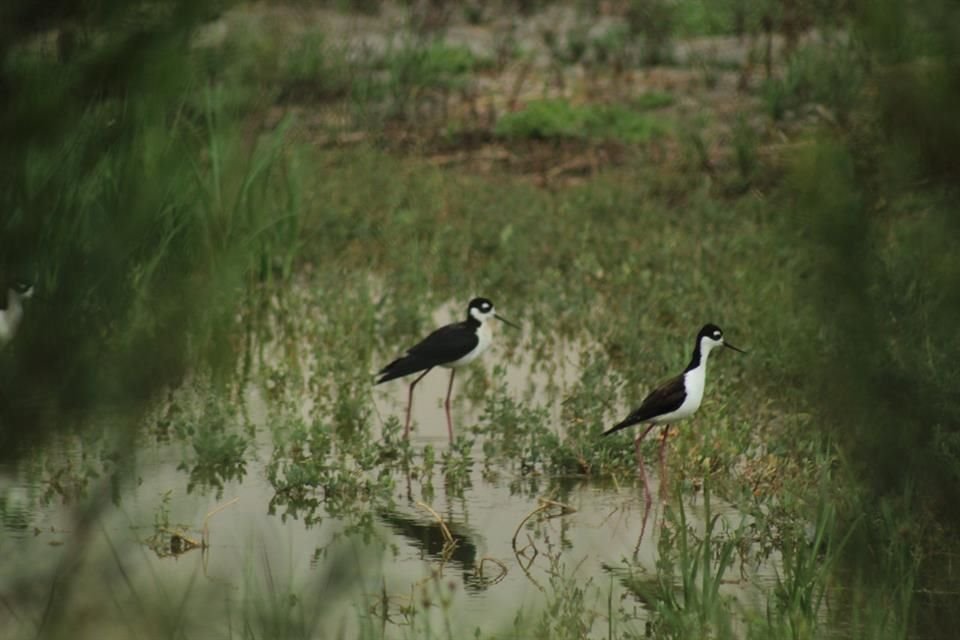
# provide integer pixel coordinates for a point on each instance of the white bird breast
(694, 382)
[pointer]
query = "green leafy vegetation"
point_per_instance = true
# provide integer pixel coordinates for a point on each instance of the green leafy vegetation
(141, 214)
(828, 75)
(651, 100)
(545, 119)
(315, 70)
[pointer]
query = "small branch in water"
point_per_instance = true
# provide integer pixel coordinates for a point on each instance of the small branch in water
(565, 509)
(443, 525)
(545, 504)
(500, 576)
(180, 543)
(539, 508)
(449, 543)
(521, 555)
(205, 537)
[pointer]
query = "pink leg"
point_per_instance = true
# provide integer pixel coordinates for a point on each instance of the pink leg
(640, 469)
(447, 405)
(663, 458)
(643, 478)
(406, 426)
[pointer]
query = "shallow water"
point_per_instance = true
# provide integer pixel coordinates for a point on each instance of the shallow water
(393, 554)
(372, 565)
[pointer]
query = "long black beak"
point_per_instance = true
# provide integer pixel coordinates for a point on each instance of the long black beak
(505, 321)
(730, 346)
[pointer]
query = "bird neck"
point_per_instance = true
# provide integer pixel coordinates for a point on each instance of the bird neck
(472, 322)
(699, 358)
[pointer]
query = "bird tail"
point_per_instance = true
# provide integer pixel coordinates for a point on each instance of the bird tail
(623, 424)
(400, 367)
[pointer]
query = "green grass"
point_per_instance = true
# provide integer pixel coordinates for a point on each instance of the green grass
(144, 217)
(705, 18)
(558, 119)
(651, 100)
(314, 70)
(830, 76)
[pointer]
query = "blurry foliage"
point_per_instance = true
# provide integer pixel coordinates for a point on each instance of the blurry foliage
(313, 69)
(412, 70)
(879, 211)
(130, 198)
(878, 215)
(653, 23)
(830, 74)
(208, 424)
(652, 100)
(545, 119)
(744, 141)
(405, 81)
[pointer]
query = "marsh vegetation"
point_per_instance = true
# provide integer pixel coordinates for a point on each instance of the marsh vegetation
(233, 214)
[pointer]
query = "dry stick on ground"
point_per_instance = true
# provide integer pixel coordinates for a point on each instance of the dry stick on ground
(574, 164)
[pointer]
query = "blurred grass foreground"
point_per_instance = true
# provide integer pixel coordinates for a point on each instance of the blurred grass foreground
(199, 191)
(133, 201)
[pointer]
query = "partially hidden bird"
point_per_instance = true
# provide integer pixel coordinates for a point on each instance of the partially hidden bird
(12, 314)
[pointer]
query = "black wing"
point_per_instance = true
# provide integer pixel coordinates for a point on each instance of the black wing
(446, 344)
(664, 399)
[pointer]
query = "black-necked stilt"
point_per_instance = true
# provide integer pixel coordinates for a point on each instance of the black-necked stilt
(451, 346)
(676, 399)
(12, 313)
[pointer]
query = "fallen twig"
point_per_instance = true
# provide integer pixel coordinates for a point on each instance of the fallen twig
(443, 525)
(545, 503)
(449, 543)
(539, 508)
(205, 536)
(500, 576)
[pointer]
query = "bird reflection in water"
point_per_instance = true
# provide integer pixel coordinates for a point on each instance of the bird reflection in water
(429, 538)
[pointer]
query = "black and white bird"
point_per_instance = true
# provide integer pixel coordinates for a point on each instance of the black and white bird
(451, 346)
(12, 313)
(676, 399)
